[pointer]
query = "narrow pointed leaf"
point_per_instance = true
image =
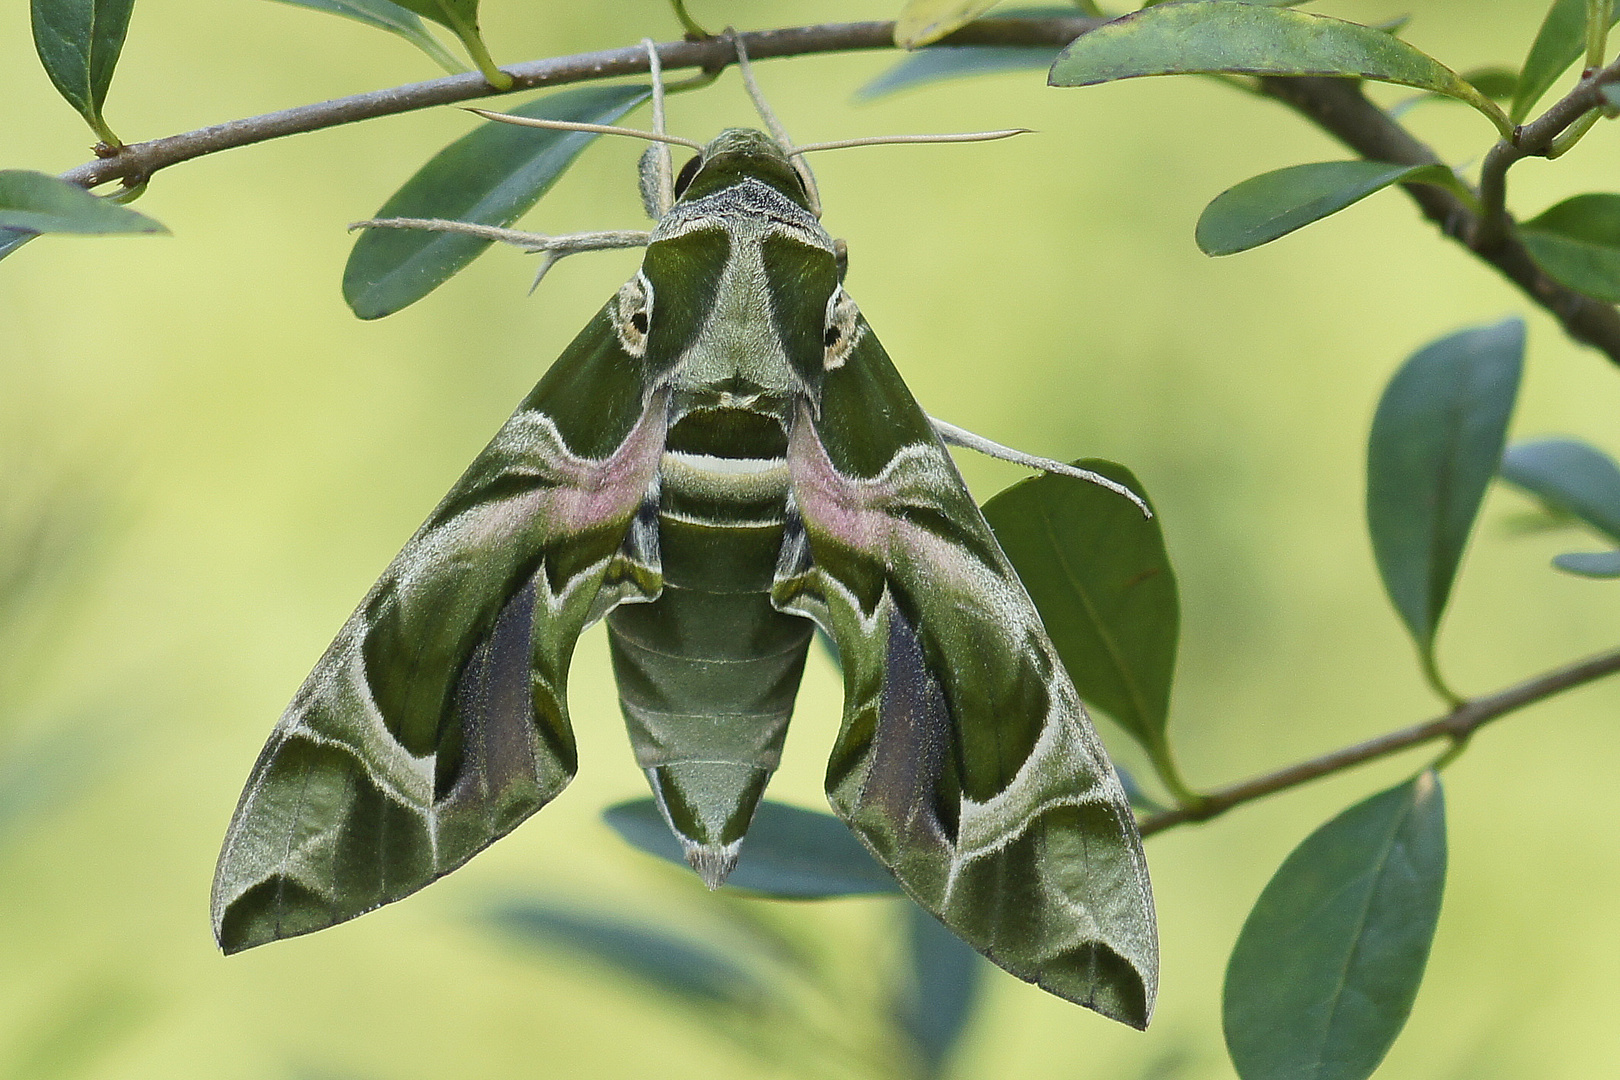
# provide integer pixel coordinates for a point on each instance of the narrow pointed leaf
(946, 976)
(789, 853)
(1327, 966)
(1578, 242)
(491, 176)
(1436, 440)
(461, 16)
(1274, 204)
(35, 202)
(1571, 477)
(1218, 37)
(12, 239)
(924, 21)
(1499, 83)
(1101, 579)
(1559, 43)
(675, 966)
(385, 15)
(1592, 564)
(78, 41)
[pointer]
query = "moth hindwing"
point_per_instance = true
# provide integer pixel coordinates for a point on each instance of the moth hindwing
(722, 459)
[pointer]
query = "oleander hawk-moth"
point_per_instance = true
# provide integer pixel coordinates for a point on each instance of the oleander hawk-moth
(722, 461)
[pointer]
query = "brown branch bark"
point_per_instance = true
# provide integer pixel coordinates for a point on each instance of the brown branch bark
(1457, 725)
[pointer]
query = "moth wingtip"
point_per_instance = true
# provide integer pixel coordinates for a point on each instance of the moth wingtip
(713, 862)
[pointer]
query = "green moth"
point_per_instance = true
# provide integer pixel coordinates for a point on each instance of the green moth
(722, 461)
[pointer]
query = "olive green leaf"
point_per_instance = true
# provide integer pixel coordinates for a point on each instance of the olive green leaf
(945, 979)
(1576, 480)
(790, 853)
(1274, 204)
(1101, 579)
(1221, 37)
(961, 61)
(924, 21)
(1328, 964)
(1578, 242)
(1559, 43)
(684, 969)
(33, 202)
(389, 16)
(1436, 440)
(78, 41)
(1499, 83)
(12, 239)
(461, 17)
(491, 176)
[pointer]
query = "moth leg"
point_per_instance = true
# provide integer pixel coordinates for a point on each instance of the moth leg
(955, 436)
(657, 170)
(555, 248)
(774, 125)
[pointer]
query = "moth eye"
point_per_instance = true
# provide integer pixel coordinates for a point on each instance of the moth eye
(633, 315)
(688, 171)
(843, 330)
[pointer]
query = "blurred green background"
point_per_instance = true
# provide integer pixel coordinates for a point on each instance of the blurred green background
(230, 458)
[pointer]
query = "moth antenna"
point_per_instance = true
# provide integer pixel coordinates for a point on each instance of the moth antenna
(774, 125)
(594, 129)
(901, 140)
(955, 436)
(663, 168)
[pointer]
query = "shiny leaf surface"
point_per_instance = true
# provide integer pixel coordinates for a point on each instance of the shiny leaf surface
(1101, 579)
(78, 41)
(34, 202)
(1274, 204)
(1436, 440)
(1578, 242)
(1218, 37)
(491, 176)
(1570, 476)
(790, 852)
(1328, 964)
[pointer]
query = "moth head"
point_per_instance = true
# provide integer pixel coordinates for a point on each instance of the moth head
(743, 153)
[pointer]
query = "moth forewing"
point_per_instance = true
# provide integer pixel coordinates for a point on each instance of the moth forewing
(724, 457)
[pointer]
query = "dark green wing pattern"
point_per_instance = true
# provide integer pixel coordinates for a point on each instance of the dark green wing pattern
(966, 761)
(437, 720)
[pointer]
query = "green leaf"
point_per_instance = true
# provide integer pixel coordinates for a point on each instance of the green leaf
(491, 176)
(1219, 37)
(12, 239)
(922, 22)
(1326, 968)
(1101, 579)
(385, 15)
(1571, 477)
(1436, 440)
(790, 853)
(1498, 83)
(78, 41)
(684, 969)
(945, 979)
(1560, 42)
(1592, 564)
(1274, 204)
(35, 202)
(1578, 242)
(461, 16)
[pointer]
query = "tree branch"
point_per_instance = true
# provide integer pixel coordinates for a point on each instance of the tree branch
(1457, 725)
(1340, 108)
(1335, 105)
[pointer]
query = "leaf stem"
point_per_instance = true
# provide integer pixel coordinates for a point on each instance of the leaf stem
(689, 24)
(1457, 725)
(1597, 30)
(1431, 675)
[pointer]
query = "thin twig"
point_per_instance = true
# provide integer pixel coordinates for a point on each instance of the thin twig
(1456, 725)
